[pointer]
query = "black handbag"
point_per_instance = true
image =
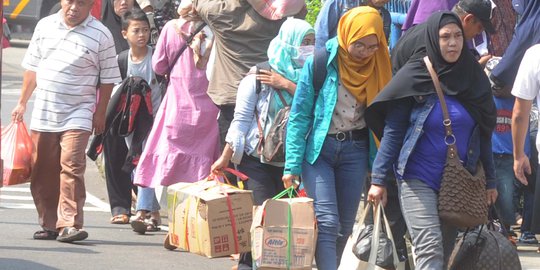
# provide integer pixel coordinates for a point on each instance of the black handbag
(462, 200)
(386, 255)
(485, 248)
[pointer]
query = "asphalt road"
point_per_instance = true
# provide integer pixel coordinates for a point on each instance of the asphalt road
(108, 246)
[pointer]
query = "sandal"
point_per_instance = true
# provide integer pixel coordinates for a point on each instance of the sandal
(120, 219)
(45, 235)
(152, 225)
(139, 226)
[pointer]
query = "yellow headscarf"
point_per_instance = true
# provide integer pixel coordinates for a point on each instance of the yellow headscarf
(366, 78)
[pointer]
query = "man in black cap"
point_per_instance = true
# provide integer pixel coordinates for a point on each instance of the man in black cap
(475, 16)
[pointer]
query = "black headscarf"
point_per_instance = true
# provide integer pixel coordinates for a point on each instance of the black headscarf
(463, 79)
(114, 24)
(410, 46)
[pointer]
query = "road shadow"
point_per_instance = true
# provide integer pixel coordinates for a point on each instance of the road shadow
(19, 264)
(67, 249)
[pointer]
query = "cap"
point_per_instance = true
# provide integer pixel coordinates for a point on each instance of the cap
(481, 9)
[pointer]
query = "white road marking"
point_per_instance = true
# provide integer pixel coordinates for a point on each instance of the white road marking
(12, 198)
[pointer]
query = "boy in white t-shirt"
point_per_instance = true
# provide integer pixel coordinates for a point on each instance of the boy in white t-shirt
(526, 88)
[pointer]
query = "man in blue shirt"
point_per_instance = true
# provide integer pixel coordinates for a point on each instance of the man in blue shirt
(332, 10)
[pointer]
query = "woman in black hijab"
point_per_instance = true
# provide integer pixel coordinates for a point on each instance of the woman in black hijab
(111, 13)
(407, 117)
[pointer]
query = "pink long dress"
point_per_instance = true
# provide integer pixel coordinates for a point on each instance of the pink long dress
(184, 140)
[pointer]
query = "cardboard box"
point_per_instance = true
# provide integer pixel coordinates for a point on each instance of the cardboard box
(200, 218)
(270, 234)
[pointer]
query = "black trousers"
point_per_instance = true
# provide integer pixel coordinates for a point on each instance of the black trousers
(226, 115)
(119, 184)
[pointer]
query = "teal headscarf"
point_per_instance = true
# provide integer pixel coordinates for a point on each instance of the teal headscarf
(284, 47)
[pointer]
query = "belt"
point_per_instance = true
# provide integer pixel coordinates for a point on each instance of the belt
(353, 135)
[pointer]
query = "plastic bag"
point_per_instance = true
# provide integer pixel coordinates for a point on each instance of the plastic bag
(16, 153)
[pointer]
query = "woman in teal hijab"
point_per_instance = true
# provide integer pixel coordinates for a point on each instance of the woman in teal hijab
(261, 95)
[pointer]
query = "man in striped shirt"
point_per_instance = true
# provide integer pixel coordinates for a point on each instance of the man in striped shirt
(70, 56)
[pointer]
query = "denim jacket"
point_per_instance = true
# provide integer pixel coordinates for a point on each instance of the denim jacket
(243, 134)
(404, 126)
(308, 126)
(331, 12)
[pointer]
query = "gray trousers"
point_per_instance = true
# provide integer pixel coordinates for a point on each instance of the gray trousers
(432, 240)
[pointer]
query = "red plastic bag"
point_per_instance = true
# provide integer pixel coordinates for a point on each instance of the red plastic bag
(16, 153)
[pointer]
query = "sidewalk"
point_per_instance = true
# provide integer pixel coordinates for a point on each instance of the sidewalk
(530, 259)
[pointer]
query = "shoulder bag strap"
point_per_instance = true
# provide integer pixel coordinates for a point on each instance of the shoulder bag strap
(281, 97)
(123, 63)
(449, 138)
(183, 48)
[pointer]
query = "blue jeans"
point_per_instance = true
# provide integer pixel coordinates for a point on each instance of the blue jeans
(432, 240)
(146, 200)
(335, 183)
(507, 182)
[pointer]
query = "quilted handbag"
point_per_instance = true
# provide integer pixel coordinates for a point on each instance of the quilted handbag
(461, 200)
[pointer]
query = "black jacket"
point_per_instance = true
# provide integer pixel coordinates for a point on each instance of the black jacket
(129, 111)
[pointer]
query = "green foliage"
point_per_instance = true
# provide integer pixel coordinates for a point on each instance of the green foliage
(313, 7)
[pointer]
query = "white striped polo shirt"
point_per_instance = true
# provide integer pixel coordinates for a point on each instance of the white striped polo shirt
(68, 65)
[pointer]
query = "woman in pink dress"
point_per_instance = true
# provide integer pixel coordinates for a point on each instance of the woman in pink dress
(184, 139)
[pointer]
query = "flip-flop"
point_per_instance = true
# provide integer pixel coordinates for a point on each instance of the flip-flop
(139, 226)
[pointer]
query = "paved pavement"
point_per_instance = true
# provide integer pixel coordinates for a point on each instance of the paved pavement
(108, 246)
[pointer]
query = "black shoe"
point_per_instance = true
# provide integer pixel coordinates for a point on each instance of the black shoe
(71, 234)
(45, 235)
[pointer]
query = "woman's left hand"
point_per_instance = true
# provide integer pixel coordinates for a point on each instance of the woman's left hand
(273, 79)
(491, 195)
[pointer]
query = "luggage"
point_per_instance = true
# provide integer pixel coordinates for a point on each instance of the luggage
(365, 250)
(209, 218)
(284, 233)
(485, 248)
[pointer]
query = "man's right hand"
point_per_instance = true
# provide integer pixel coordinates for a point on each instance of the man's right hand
(18, 113)
(522, 166)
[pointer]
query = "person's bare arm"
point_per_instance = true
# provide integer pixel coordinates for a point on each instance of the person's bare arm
(98, 122)
(28, 86)
(520, 127)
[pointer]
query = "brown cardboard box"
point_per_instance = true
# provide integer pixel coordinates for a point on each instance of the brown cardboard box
(199, 218)
(270, 234)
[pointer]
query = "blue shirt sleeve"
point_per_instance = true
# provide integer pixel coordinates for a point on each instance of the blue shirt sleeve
(327, 22)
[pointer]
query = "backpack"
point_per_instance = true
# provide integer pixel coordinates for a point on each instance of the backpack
(272, 147)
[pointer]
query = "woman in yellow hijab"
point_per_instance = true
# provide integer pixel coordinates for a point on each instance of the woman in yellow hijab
(327, 137)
